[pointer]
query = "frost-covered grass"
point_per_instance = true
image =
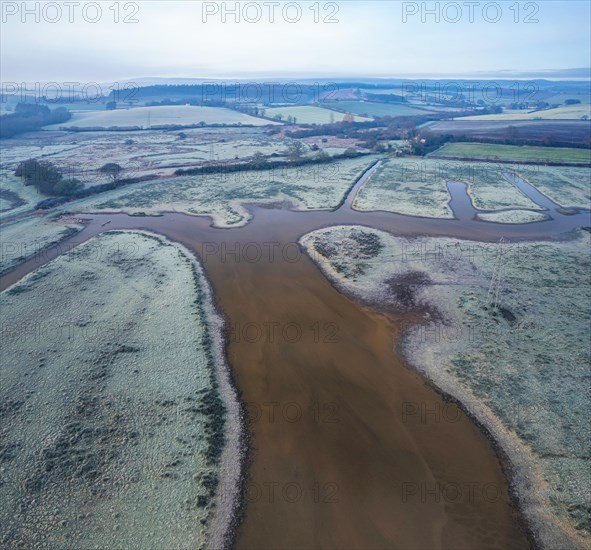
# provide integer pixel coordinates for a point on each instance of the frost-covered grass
(29, 238)
(489, 151)
(512, 216)
(112, 422)
(309, 114)
(565, 185)
(521, 368)
(418, 187)
(405, 187)
(17, 149)
(16, 197)
(144, 117)
(321, 186)
(489, 189)
(157, 152)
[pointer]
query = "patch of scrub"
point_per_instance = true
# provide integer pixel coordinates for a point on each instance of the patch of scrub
(565, 185)
(520, 367)
(221, 195)
(418, 187)
(115, 421)
(31, 237)
(512, 216)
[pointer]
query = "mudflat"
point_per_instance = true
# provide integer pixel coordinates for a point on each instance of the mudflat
(339, 456)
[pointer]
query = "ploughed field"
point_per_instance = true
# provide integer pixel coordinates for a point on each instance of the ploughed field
(574, 112)
(492, 152)
(555, 131)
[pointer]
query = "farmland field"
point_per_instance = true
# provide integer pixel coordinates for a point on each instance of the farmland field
(513, 153)
(390, 91)
(309, 114)
(563, 132)
(374, 109)
(584, 98)
(144, 117)
(574, 112)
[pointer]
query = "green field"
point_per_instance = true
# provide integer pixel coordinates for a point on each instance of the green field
(144, 117)
(369, 108)
(512, 152)
(309, 114)
(570, 112)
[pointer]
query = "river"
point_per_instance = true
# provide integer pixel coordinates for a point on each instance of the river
(335, 460)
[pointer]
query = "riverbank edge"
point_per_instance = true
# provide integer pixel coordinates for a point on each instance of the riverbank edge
(70, 229)
(522, 472)
(228, 507)
(228, 510)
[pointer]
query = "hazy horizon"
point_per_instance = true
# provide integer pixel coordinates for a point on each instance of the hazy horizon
(349, 40)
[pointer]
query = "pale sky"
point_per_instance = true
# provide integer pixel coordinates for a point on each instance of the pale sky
(368, 38)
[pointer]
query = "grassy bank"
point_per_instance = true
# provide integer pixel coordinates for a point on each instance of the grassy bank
(113, 418)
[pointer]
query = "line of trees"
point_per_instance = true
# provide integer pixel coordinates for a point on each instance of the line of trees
(27, 118)
(46, 178)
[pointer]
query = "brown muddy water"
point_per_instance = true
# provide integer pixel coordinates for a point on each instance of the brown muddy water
(350, 448)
